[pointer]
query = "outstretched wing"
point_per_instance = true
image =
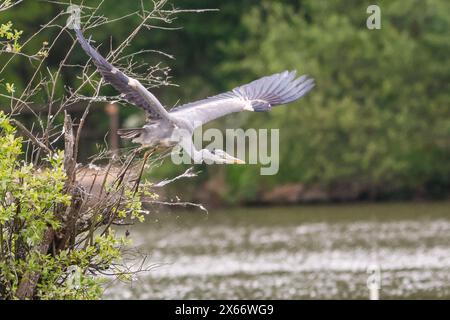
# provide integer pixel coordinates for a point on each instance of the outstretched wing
(259, 95)
(131, 89)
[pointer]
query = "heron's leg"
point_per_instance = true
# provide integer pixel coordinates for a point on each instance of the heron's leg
(141, 148)
(144, 161)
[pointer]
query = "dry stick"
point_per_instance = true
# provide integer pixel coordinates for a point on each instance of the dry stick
(92, 187)
(31, 136)
(28, 87)
(63, 63)
(69, 156)
(125, 168)
(105, 178)
(178, 204)
(95, 215)
(158, 5)
(40, 65)
(8, 5)
(69, 166)
(96, 212)
(119, 180)
(29, 39)
(50, 103)
(113, 214)
(83, 119)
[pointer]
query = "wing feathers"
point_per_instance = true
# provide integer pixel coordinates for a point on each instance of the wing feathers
(120, 81)
(258, 95)
(276, 89)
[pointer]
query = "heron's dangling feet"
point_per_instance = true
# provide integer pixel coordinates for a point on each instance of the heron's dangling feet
(147, 154)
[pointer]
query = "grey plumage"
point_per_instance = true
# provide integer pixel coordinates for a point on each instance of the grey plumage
(119, 80)
(259, 95)
(177, 126)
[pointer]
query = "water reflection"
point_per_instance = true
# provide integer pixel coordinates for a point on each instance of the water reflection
(311, 252)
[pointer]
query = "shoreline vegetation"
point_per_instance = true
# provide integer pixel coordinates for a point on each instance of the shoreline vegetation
(376, 128)
(214, 195)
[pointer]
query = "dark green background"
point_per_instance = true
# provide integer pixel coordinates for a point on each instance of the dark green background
(378, 119)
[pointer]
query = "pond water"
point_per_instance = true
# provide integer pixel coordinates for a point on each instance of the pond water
(304, 252)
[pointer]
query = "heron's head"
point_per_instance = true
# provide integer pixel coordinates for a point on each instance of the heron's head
(226, 158)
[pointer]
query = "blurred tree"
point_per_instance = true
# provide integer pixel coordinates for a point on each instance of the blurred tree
(378, 118)
(380, 114)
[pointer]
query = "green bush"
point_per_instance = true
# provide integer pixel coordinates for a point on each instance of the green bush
(30, 201)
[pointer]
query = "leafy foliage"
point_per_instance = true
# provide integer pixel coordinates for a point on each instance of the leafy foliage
(58, 216)
(11, 35)
(31, 201)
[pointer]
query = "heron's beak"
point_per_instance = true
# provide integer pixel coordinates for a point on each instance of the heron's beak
(238, 161)
(232, 160)
(226, 158)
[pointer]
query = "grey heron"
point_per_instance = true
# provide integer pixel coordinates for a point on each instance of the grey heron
(169, 128)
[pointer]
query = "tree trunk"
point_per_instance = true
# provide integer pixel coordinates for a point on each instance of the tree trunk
(29, 281)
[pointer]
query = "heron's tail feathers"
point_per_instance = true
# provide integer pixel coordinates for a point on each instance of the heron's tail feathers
(130, 133)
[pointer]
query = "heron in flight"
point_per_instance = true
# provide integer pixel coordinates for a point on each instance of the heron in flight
(175, 127)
